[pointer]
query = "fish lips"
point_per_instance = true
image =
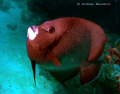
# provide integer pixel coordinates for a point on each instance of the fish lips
(32, 32)
(38, 38)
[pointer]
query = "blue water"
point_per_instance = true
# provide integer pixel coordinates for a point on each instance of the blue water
(15, 68)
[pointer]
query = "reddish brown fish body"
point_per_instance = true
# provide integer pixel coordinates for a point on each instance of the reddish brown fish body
(65, 45)
(36, 54)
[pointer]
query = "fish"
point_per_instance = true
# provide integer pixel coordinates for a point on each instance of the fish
(66, 46)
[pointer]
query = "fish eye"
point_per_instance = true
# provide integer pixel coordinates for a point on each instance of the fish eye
(50, 30)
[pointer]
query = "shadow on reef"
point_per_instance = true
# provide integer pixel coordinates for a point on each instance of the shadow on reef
(104, 15)
(102, 85)
(97, 87)
(93, 88)
(56, 9)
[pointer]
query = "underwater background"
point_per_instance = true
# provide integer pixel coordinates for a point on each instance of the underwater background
(16, 76)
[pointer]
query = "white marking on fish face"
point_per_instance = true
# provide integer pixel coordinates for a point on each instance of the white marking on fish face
(32, 33)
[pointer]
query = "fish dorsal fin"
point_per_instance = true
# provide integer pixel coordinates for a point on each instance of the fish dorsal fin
(53, 58)
(98, 40)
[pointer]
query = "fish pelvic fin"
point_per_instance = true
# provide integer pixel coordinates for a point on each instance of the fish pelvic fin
(33, 69)
(51, 56)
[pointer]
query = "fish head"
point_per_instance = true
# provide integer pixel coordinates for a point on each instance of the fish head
(39, 37)
(46, 34)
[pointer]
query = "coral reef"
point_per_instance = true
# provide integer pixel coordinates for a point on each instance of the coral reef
(5, 5)
(117, 43)
(60, 8)
(114, 59)
(28, 17)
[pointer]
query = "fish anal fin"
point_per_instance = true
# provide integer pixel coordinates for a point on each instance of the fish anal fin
(64, 75)
(89, 73)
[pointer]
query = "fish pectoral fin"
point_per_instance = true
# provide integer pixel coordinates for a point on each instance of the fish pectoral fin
(89, 73)
(53, 58)
(33, 69)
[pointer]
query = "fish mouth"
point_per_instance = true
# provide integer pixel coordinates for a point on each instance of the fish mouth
(39, 39)
(33, 28)
(32, 32)
(31, 35)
